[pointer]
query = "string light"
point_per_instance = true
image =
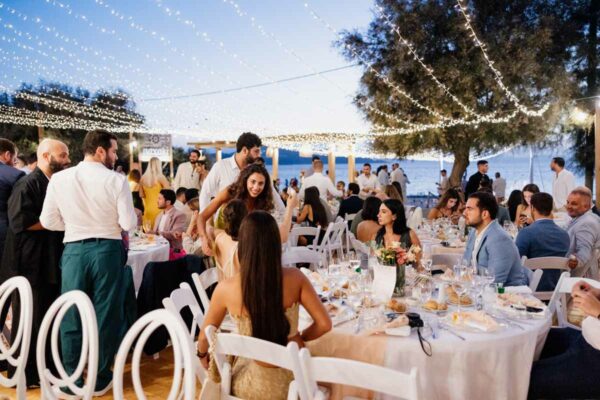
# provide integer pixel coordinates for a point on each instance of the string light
(497, 74)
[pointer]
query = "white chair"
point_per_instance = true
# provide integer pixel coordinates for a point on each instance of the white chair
(298, 231)
(332, 240)
(550, 263)
(349, 217)
(224, 344)
(414, 218)
(558, 302)
(535, 280)
(184, 356)
(357, 245)
(299, 254)
(358, 374)
(50, 384)
(22, 337)
(202, 282)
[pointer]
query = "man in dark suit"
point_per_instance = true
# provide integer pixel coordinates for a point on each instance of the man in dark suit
(8, 177)
(475, 179)
(352, 204)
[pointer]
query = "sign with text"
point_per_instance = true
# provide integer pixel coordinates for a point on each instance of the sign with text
(155, 145)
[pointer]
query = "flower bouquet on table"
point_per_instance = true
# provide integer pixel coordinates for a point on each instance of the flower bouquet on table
(397, 256)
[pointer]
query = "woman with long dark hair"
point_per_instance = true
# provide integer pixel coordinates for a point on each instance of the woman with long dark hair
(226, 240)
(264, 300)
(392, 220)
(314, 213)
(253, 187)
(524, 216)
(447, 207)
(368, 224)
(514, 200)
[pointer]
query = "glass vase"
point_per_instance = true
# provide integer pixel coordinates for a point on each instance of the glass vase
(400, 281)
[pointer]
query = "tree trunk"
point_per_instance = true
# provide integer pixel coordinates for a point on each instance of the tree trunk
(592, 83)
(461, 161)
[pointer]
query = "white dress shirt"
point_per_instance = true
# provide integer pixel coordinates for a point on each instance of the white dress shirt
(499, 187)
(186, 177)
(88, 201)
(384, 178)
(223, 174)
(590, 328)
(321, 182)
(370, 182)
(562, 185)
(183, 208)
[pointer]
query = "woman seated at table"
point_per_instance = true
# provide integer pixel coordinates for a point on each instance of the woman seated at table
(393, 228)
(569, 366)
(264, 301)
(314, 213)
(447, 207)
(524, 216)
(254, 189)
(226, 245)
(392, 193)
(368, 225)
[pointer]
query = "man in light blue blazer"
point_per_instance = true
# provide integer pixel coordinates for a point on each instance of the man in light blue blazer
(489, 245)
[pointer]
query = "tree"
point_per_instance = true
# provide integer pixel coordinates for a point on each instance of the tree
(523, 38)
(26, 137)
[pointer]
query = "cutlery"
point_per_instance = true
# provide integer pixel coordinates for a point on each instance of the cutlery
(447, 329)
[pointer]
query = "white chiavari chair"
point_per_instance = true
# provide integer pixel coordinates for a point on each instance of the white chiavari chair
(295, 255)
(558, 302)
(549, 263)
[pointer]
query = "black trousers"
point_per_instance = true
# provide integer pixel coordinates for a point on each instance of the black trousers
(569, 368)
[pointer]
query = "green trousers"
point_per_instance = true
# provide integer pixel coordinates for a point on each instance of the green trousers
(96, 268)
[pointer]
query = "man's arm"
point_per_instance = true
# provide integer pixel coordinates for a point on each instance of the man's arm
(51, 217)
(522, 242)
(584, 243)
(500, 253)
(125, 210)
(333, 190)
(209, 188)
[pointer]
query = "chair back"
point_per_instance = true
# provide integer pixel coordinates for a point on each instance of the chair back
(224, 344)
(22, 337)
(414, 218)
(540, 263)
(202, 282)
(535, 280)
(558, 302)
(349, 217)
(333, 238)
(294, 255)
(185, 361)
(298, 231)
(357, 245)
(51, 385)
(358, 374)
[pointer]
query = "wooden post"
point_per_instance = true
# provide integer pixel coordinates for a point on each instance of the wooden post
(40, 133)
(172, 166)
(275, 163)
(130, 151)
(351, 168)
(219, 154)
(597, 150)
(331, 165)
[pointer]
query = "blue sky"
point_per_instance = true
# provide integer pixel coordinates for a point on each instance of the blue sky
(307, 105)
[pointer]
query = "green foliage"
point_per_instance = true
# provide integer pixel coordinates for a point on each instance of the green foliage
(526, 40)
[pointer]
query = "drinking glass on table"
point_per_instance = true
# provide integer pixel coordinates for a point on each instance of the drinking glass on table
(147, 226)
(460, 284)
(427, 263)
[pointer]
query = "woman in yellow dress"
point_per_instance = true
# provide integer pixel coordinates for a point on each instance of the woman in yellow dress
(152, 182)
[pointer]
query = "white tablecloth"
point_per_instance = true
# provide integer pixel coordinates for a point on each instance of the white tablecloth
(485, 366)
(137, 260)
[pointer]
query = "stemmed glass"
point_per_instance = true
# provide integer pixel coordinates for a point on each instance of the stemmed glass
(460, 284)
(427, 263)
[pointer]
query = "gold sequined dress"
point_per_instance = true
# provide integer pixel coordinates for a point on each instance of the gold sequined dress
(252, 381)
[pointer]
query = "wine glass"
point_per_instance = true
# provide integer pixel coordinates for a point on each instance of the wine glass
(427, 263)
(460, 284)
(147, 226)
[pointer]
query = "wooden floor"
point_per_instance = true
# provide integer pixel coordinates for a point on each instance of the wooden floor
(156, 379)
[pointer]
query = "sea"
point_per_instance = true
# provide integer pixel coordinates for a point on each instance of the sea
(513, 165)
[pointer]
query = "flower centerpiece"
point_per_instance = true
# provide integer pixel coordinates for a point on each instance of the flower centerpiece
(397, 256)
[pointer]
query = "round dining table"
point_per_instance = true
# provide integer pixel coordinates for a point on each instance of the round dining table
(141, 253)
(480, 365)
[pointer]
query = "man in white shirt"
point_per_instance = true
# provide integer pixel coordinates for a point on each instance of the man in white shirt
(187, 176)
(563, 182)
(399, 176)
(321, 182)
(383, 176)
(444, 184)
(92, 204)
(569, 364)
(499, 188)
(226, 171)
(367, 182)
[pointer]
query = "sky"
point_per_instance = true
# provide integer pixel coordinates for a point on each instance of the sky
(156, 49)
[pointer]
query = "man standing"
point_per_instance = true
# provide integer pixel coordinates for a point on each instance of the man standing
(321, 182)
(383, 176)
(543, 238)
(563, 182)
(351, 204)
(489, 246)
(8, 177)
(444, 184)
(31, 164)
(475, 179)
(180, 203)
(367, 182)
(31, 251)
(92, 204)
(226, 171)
(584, 231)
(187, 176)
(499, 188)
(170, 223)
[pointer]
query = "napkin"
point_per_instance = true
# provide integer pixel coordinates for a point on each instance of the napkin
(383, 281)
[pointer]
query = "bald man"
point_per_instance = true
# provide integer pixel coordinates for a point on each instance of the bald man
(584, 232)
(31, 251)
